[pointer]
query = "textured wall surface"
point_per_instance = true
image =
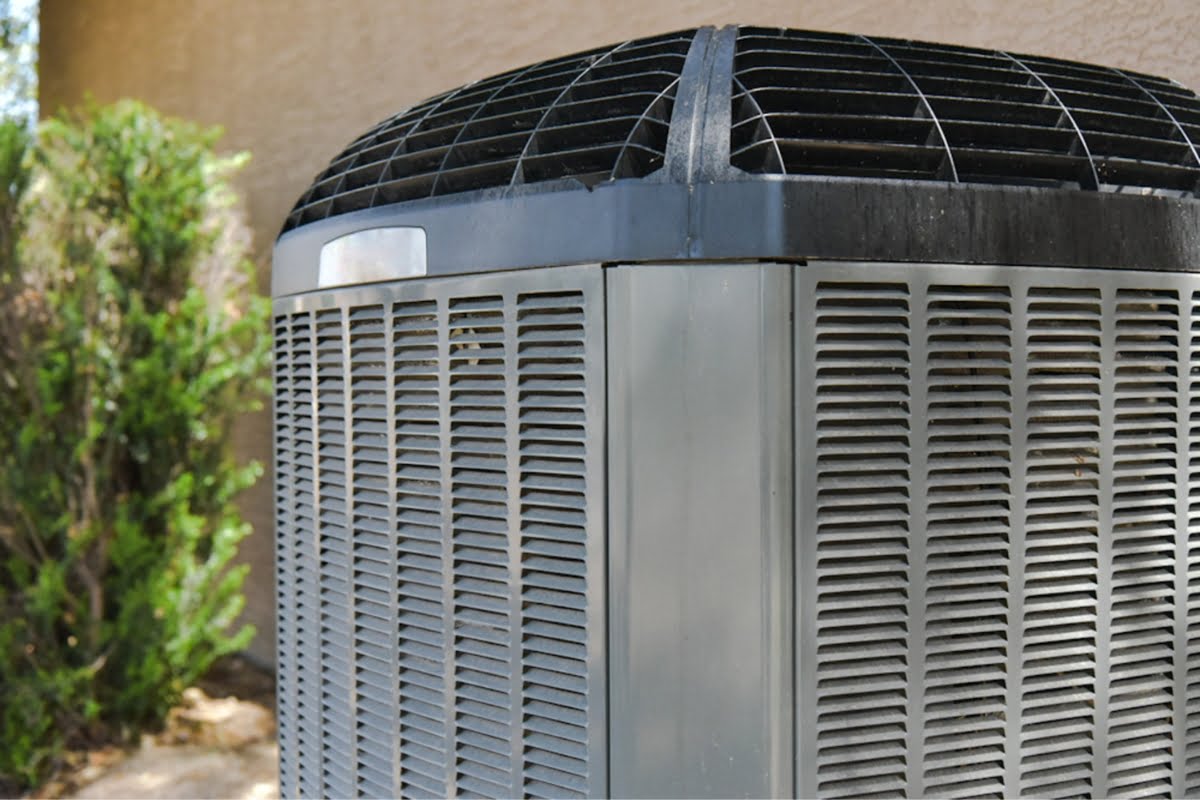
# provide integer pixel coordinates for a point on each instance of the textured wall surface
(295, 80)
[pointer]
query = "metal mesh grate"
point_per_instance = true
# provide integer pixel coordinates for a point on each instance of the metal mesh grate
(833, 104)
(1004, 532)
(590, 117)
(438, 461)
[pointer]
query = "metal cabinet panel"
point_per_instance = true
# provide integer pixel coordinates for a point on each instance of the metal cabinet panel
(700, 556)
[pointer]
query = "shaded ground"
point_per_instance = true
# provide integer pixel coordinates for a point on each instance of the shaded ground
(218, 743)
(188, 771)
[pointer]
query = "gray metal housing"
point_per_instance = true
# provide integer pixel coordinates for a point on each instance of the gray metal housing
(709, 484)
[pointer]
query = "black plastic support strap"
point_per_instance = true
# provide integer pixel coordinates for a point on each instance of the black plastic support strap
(687, 118)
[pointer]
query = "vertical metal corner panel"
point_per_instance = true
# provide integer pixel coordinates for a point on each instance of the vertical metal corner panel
(440, 537)
(700, 580)
(996, 536)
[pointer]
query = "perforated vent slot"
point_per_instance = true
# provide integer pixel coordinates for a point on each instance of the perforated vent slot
(372, 553)
(420, 560)
(439, 609)
(590, 117)
(1001, 570)
(862, 419)
(289, 453)
(1144, 526)
(299, 580)
(552, 410)
(968, 340)
(1191, 546)
(833, 104)
(1062, 509)
(333, 551)
(479, 504)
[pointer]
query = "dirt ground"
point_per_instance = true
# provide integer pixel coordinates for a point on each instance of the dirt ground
(218, 743)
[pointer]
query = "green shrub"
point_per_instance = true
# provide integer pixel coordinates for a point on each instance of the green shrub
(130, 337)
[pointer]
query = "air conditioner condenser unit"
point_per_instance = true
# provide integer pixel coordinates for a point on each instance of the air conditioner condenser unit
(747, 412)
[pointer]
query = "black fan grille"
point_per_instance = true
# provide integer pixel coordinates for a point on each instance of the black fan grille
(802, 104)
(835, 104)
(591, 116)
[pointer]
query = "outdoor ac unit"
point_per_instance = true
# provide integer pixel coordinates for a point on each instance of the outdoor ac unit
(742, 412)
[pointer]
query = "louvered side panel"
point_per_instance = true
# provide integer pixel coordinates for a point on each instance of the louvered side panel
(1059, 534)
(337, 671)
(421, 561)
(441, 549)
(285, 579)
(1191, 662)
(1062, 507)
(553, 399)
(374, 596)
(1142, 610)
(862, 536)
(483, 623)
(969, 494)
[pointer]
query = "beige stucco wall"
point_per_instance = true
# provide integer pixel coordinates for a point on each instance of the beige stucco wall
(294, 80)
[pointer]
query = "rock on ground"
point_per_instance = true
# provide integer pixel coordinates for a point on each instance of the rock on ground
(211, 748)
